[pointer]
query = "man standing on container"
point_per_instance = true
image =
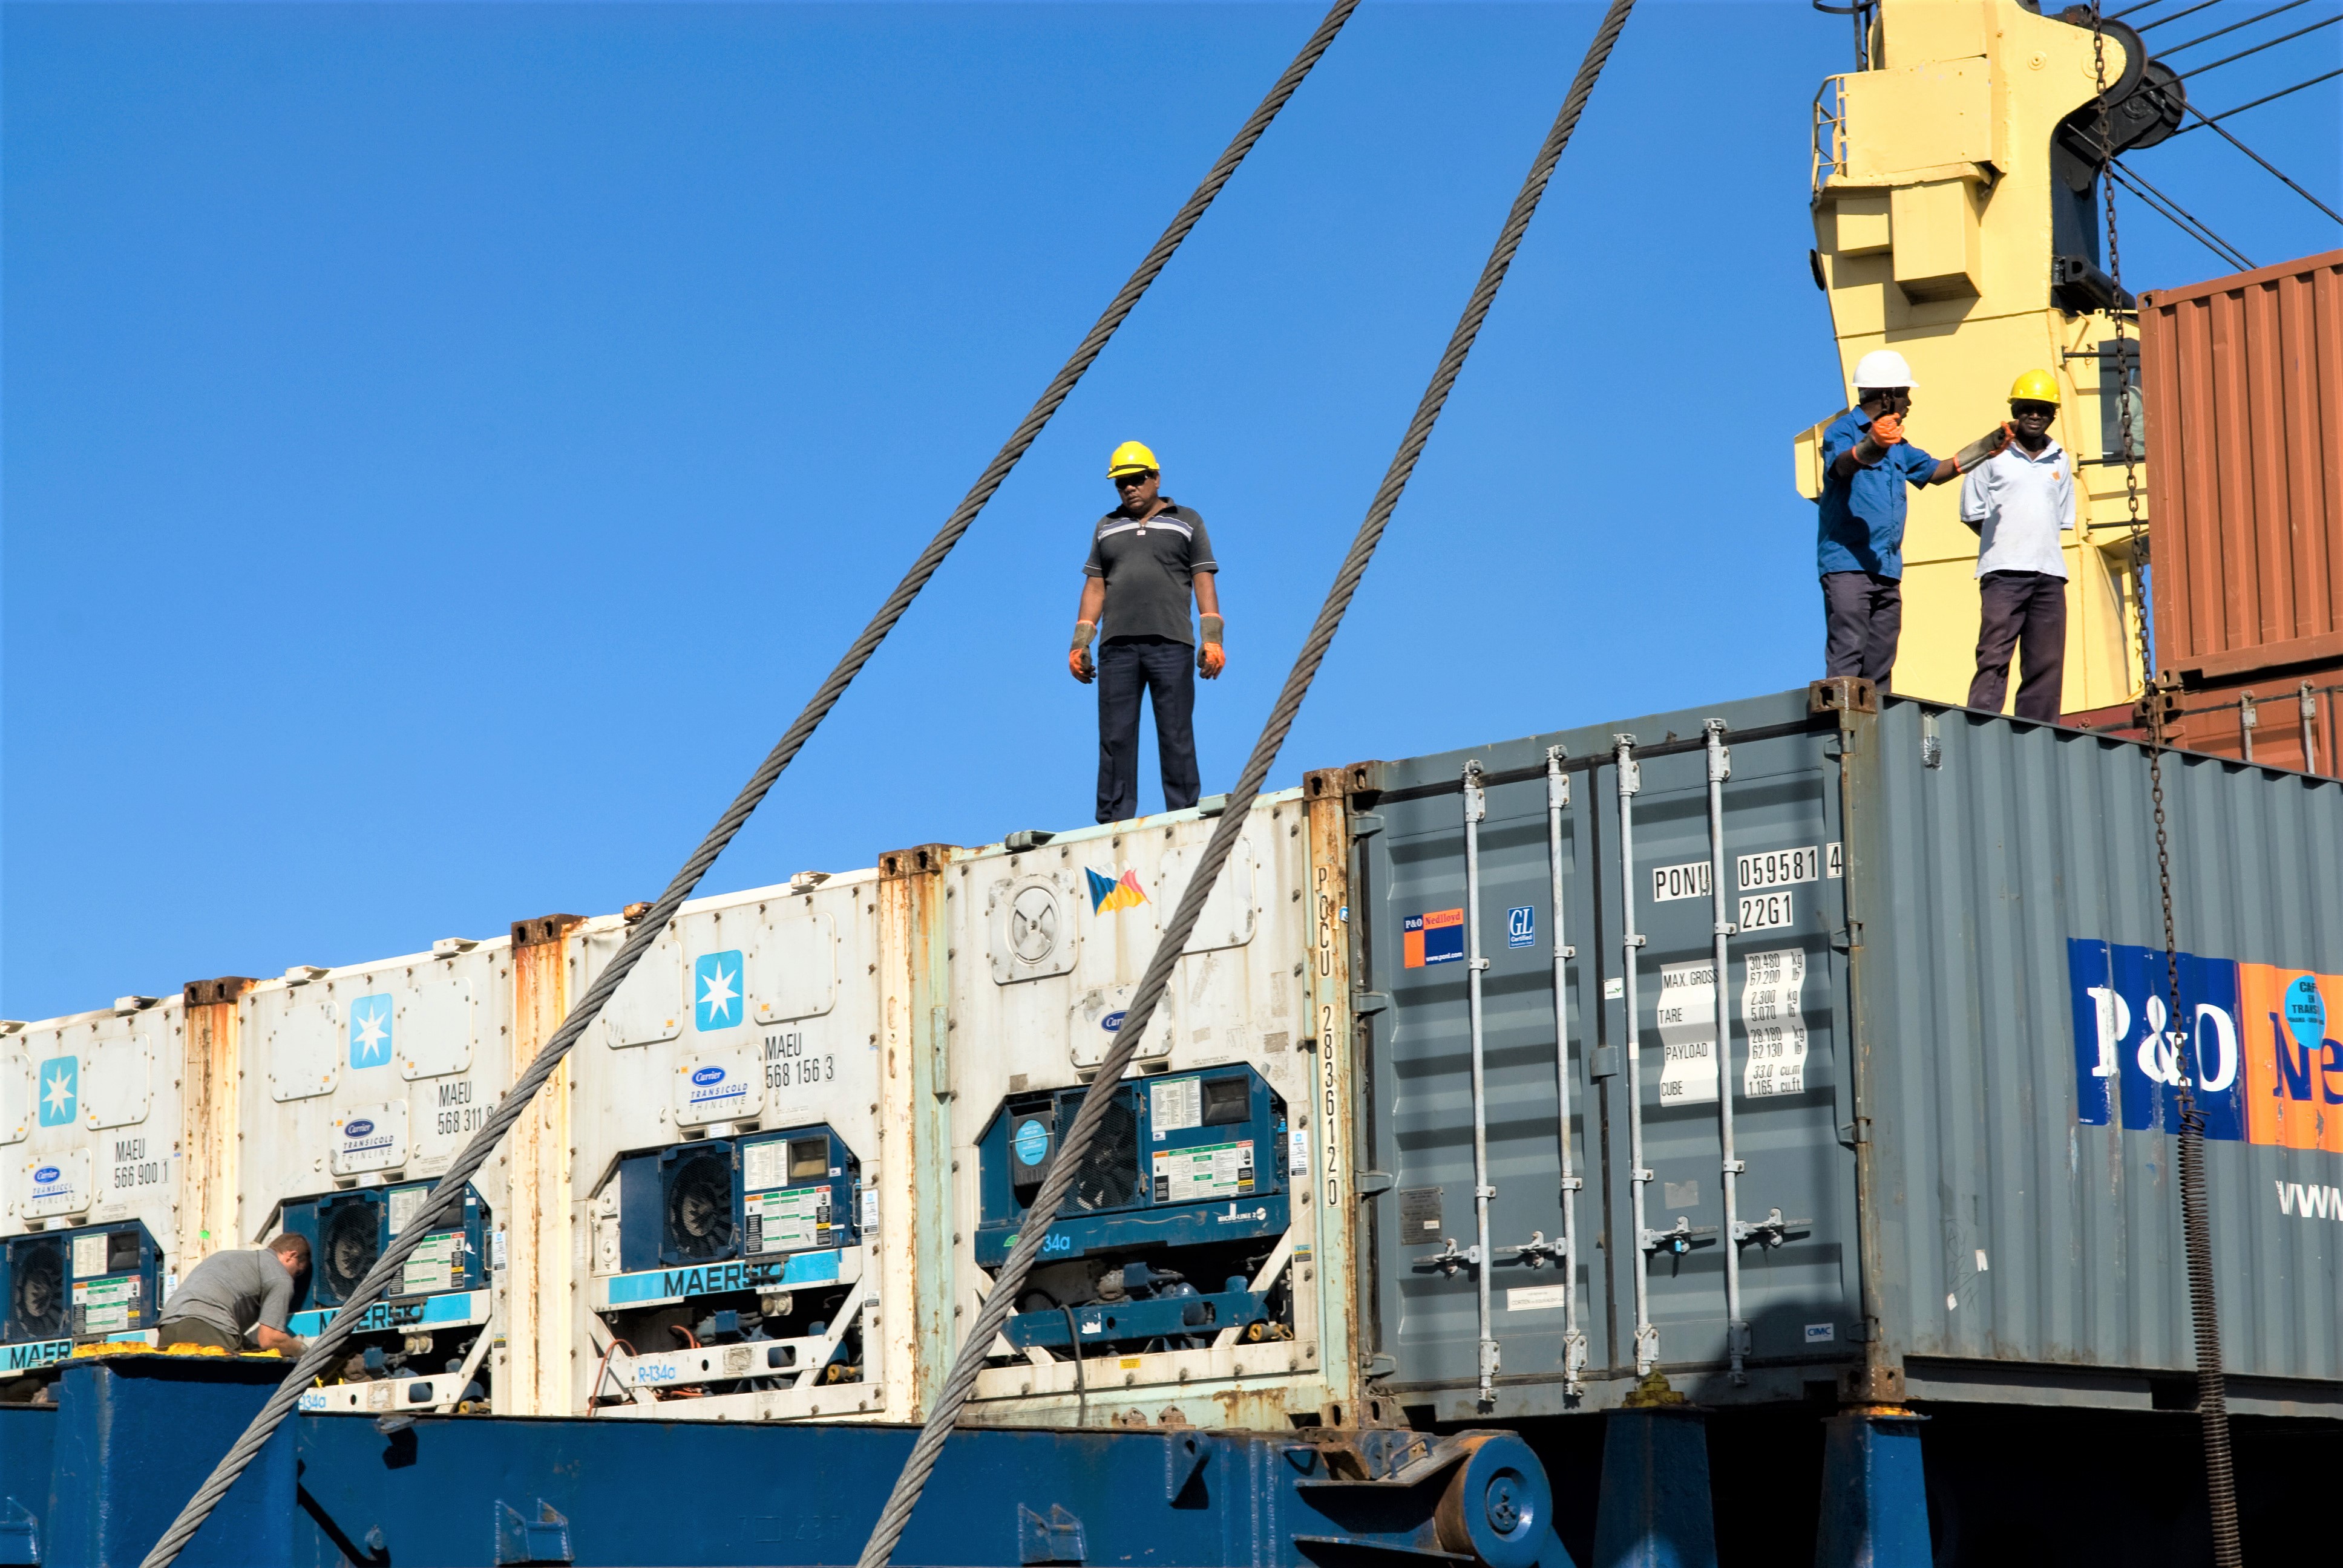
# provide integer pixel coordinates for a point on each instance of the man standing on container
(2020, 500)
(239, 1291)
(1147, 556)
(1866, 463)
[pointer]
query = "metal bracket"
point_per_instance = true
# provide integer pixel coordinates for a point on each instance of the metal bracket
(1537, 1250)
(1365, 825)
(1679, 1238)
(543, 1539)
(1057, 1539)
(1366, 1003)
(1368, 1183)
(1772, 1230)
(1450, 1258)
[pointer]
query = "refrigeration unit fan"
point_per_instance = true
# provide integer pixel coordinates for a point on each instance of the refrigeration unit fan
(38, 1299)
(696, 1202)
(349, 1240)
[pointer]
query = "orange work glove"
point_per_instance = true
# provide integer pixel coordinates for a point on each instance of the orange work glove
(1887, 429)
(1077, 658)
(1211, 658)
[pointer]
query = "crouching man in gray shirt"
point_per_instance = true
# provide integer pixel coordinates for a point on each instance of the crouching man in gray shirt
(230, 1294)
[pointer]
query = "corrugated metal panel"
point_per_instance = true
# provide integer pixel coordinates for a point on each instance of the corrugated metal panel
(2243, 382)
(2013, 1231)
(1979, 1221)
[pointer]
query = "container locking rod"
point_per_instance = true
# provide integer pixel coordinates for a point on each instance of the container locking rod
(1574, 1338)
(1631, 943)
(1475, 808)
(1737, 1327)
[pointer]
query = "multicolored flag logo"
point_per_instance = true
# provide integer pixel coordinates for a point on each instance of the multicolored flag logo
(1110, 894)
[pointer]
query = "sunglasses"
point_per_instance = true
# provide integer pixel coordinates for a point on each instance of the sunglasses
(1125, 481)
(2047, 410)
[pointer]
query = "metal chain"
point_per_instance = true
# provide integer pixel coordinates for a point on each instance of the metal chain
(1072, 1148)
(2196, 1226)
(325, 1350)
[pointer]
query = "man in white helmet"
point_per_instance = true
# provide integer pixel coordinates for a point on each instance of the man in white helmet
(1867, 464)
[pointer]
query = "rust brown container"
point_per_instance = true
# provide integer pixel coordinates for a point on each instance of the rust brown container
(2243, 377)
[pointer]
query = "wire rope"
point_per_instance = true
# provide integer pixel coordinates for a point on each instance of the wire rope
(2220, 32)
(2179, 216)
(2270, 43)
(2204, 119)
(1071, 1149)
(324, 1349)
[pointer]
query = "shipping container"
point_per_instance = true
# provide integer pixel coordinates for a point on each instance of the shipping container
(2244, 383)
(89, 1144)
(1949, 1072)
(1199, 1274)
(744, 1155)
(360, 1085)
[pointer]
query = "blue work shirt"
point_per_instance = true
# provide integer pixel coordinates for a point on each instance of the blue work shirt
(1863, 514)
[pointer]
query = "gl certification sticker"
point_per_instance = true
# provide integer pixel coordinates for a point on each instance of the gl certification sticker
(1521, 926)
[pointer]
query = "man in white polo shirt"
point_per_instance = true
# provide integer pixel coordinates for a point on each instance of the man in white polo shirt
(2020, 500)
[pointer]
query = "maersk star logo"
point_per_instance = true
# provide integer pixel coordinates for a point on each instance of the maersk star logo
(370, 1032)
(716, 989)
(60, 1091)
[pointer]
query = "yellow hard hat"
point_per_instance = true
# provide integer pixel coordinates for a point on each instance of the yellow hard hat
(2035, 387)
(1132, 457)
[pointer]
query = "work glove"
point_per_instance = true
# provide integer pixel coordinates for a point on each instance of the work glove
(1984, 447)
(1210, 659)
(1077, 658)
(1885, 431)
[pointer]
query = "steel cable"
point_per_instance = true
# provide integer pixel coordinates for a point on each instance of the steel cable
(324, 1349)
(1071, 1149)
(2195, 1225)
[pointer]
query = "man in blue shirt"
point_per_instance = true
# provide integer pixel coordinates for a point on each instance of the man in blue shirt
(1867, 464)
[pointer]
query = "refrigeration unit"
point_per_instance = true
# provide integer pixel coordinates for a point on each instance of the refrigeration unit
(363, 1083)
(89, 1113)
(734, 1180)
(1195, 1271)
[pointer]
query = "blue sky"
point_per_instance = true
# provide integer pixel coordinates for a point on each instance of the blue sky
(446, 444)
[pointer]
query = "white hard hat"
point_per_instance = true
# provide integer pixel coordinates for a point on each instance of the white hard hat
(1882, 368)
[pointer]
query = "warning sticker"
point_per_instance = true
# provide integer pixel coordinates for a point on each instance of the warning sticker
(1687, 1019)
(437, 1265)
(1775, 1027)
(1175, 1105)
(1214, 1171)
(788, 1221)
(105, 1306)
(1437, 937)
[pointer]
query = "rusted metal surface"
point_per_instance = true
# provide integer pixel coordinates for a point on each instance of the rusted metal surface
(1323, 797)
(915, 990)
(2244, 383)
(210, 1065)
(536, 1377)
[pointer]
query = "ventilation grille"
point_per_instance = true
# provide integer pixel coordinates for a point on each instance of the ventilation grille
(699, 1208)
(36, 1290)
(349, 1240)
(1110, 1177)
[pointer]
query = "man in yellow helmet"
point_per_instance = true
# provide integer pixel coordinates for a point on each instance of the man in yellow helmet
(1147, 557)
(2020, 500)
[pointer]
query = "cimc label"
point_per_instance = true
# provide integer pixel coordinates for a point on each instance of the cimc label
(2267, 1066)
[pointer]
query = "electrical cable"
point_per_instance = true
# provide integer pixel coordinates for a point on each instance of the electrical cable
(2257, 48)
(1075, 1143)
(2204, 119)
(2222, 132)
(2178, 217)
(450, 1188)
(2167, 54)
(2195, 1223)
(2160, 21)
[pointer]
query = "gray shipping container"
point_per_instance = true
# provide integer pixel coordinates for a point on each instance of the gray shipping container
(1958, 1133)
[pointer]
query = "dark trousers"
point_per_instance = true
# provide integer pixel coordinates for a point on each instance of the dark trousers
(1165, 670)
(194, 1332)
(2027, 611)
(1863, 615)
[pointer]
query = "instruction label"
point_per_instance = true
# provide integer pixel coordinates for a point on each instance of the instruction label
(788, 1221)
(105, 1306)
(437, 1265)
(1214, 1171)
(403, 1204)
(88, 1255)
(1537, 1298)
(1687, 1021)
(1777, 1027)
(1175, 1106)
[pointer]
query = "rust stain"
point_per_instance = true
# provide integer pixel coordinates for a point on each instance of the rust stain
(538, 1256)
(209, 1114)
